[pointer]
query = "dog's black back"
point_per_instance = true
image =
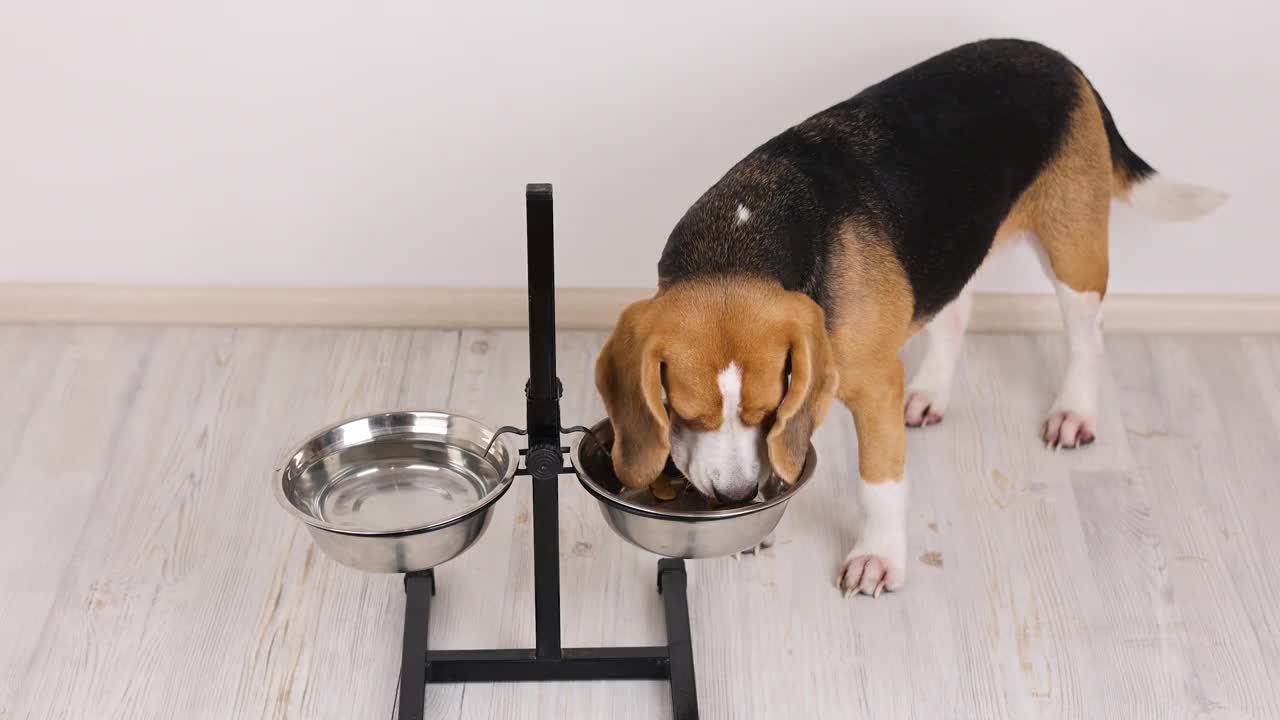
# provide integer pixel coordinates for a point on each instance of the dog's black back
(932, 158)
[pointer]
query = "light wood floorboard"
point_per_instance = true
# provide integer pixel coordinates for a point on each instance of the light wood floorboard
(146, 572)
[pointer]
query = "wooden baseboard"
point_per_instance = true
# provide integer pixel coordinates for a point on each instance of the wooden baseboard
(577, 308)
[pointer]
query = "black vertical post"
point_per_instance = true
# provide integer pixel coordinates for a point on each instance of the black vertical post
(544, 459)
(673, 584)
(418, 589)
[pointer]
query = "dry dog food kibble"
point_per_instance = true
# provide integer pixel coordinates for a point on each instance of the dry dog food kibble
(663, 489)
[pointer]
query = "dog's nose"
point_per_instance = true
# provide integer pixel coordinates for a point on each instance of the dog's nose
(731, 498)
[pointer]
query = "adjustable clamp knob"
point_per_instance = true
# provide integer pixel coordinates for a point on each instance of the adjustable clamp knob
(544, 461)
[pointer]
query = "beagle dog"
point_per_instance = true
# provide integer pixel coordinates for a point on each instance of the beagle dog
(798, 276)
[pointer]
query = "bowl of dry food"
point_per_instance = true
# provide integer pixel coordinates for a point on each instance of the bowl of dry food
(671, 518)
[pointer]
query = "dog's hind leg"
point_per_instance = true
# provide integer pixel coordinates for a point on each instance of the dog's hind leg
(929, 391)
(1068, 209)
(1072, 420)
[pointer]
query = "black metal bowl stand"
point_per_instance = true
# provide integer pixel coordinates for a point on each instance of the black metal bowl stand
(544, 461)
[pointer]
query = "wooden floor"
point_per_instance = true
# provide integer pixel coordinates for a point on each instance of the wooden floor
(146, 571)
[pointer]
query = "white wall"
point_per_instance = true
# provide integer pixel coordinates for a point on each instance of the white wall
(323, 142)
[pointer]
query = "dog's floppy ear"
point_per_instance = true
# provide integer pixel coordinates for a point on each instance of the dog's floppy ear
(811, 387)
(629, 378)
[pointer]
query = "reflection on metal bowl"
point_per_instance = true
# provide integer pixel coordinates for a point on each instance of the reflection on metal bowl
(397, 491)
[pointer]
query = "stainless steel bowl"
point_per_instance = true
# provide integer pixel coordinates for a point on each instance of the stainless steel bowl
(685, 527)
(398, 491)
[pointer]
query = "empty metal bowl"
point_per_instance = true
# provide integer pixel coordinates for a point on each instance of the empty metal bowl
(398, 491)
(686, 527)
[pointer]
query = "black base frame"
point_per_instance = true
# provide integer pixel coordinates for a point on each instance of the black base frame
(544, 461)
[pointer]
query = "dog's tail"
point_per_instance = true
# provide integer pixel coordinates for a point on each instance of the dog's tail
(1138, 184)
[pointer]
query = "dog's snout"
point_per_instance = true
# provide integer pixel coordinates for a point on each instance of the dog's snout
(735, 495)
(724, 464)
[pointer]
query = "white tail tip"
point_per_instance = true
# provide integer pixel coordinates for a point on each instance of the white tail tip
(1168, 199)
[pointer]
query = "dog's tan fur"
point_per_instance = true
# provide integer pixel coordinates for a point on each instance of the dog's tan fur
(682, 337)
(1068, 207)
(872, 291)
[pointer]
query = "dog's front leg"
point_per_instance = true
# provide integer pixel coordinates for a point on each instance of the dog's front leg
(872, 390)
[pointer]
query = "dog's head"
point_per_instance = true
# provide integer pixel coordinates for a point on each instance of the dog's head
(729, 377)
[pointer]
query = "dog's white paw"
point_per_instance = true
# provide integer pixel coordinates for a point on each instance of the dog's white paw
(923, 406)
(869, 574)
(1068, 429)
(877, 562)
